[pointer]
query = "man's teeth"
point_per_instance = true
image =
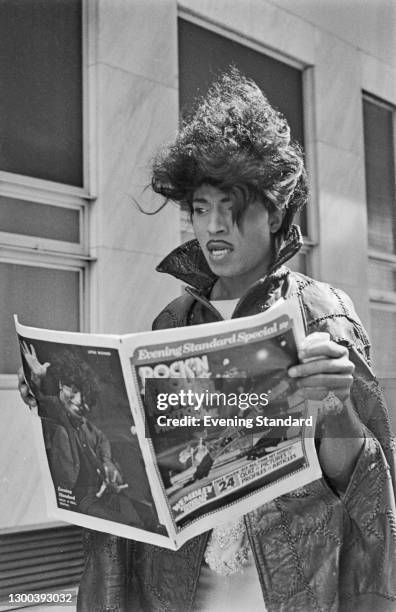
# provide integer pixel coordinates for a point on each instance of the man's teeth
(219, 252)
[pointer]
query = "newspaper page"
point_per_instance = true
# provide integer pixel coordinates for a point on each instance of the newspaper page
(159, 436)
(91, 462)
(225, 427)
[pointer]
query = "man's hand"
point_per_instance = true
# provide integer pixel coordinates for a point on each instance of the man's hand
(326, 373)
(112, 473)
(25, 391)
(113, 480)
(38, 370)
(325, 368)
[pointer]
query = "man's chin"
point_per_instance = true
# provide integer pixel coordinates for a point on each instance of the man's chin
(76, 410)
(221, 268)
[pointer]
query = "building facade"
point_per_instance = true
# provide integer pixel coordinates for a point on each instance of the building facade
(91, 89)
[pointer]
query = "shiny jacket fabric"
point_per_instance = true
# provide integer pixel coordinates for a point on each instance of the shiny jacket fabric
(315, 549)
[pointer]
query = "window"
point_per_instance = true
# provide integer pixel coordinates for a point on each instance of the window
(41, 85)
(281, 82)
(47, 296)
(379, 132)
(43, 179)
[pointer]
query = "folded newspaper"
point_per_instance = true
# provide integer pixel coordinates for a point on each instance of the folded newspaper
(160, 436)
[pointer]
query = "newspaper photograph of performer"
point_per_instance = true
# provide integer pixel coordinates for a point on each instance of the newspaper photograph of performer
(86, 476)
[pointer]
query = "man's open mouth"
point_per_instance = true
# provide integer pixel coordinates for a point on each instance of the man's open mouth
(218, 248)
(75, 407)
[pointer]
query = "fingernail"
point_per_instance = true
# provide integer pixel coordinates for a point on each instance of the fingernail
(293, 372)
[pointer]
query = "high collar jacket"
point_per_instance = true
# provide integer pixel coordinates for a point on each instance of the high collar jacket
(315, 549)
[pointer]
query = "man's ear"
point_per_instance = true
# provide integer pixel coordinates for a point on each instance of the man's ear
(275, 218)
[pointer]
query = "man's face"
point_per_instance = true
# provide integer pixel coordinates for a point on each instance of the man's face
(71, 399)
(233, 251)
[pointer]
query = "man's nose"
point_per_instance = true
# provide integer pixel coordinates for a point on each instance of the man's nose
(217, 223)
(76, 399)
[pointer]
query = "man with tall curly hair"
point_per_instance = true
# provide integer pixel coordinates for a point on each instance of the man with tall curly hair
(328, 546)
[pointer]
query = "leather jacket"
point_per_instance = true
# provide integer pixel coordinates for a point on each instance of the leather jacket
(315, 548)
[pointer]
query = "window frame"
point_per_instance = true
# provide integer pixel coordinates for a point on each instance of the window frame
(70, 264)
(382, 299)
(45, 197)
(56, 254)
(385, 300)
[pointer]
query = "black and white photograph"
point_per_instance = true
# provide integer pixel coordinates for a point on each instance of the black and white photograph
(93, 454)
(160, 451)
(169, 168)
(221, 418)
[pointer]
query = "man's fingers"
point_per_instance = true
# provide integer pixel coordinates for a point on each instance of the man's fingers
(316, 337)
(118, 477)
(25, 391)
(102, 489)
(25, 351)
(322, 349)
(341, 365)
(326, 381)
(31, 401)
(27, 396)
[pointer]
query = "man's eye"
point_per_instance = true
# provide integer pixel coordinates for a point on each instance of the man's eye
(199, 210)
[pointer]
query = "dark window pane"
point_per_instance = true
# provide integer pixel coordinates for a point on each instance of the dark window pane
(42, 297)
(383, 336)
(298, 263)
(301, 220)
(380, 176)
(381, 276)
(203, 55)
(34, 219)
(389, 387)
(41, 89)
